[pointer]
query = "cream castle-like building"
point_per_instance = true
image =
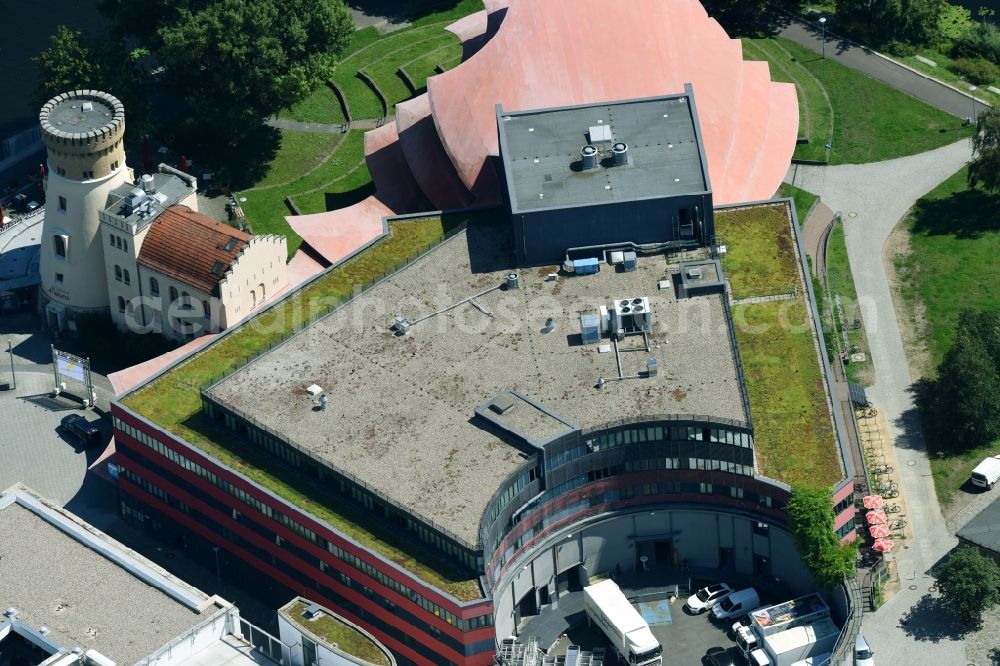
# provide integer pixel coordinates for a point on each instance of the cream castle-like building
(138, 248)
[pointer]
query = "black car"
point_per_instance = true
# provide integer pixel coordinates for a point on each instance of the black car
(88, 434)
(718, 656)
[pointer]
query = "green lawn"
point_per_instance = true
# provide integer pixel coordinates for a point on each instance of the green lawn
(334, 632)
(952, 265)
(320, 107)
(793, 433)
(173, 401)
(803, 200)
(340, 180)
(955, 242)
(299, 152)
(815, 110)
(871, 121)
(761, 254)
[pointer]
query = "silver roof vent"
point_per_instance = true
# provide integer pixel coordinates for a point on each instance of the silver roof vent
(619, 152)
(588, 158)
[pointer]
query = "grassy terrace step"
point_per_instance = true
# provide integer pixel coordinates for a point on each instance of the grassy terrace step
(815, 111)
(794, 436)
(333, 183)
(173, 401)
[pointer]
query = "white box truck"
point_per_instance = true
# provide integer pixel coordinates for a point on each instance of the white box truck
(794, 645)
(608, 608)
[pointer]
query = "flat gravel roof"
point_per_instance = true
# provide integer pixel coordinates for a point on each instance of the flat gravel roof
(541, 151)
(401, 408)
(86, 599)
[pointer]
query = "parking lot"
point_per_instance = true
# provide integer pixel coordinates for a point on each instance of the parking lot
(685, 637)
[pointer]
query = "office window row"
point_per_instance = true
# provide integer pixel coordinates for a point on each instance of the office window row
(509, 493)
(611, 440)
(364, 498)
(407, 634)
(302, 531)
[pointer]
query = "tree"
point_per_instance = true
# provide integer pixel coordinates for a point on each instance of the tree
(72, 62)
(970, 584)
(810, 514)
(961, 407)
(66, 65)
(984, 169)
(880, 22)
(235, 62)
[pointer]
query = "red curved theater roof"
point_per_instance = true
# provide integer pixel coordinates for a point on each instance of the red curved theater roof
(550, 53)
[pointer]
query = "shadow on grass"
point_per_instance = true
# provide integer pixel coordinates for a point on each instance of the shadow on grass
(966, 214)
(239, 162)
(338, 200)
(394, 11)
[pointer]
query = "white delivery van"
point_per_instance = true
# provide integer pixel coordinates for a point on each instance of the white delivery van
(986, 473)
(736, 604)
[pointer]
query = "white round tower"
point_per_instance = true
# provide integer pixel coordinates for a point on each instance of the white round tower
(83, 133)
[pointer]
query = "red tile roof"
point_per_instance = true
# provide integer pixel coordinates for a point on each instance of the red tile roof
(186, 245)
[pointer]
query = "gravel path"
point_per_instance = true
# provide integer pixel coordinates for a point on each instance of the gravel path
(873, 198)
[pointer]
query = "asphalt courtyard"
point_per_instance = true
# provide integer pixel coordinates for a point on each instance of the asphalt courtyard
(685, 639)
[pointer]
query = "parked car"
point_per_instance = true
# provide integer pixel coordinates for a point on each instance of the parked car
(736, 604)
(717, 656)
(706, 597)
(986, 473)
(863, 655)
(88, 434)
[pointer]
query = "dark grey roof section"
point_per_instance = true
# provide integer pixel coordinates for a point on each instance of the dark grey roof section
(858, 395)
(541, 152)
(169, 190)
(984, 529)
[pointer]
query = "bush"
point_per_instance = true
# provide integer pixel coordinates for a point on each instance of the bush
(982, 40)
(975, 70)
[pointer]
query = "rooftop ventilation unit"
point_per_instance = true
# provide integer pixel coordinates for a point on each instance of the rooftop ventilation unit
(694, 272)
(133, 201)
(511, 281)
(631, 315)
(401, 325)
(588, 158)
(147, 183)
(599, 133)
(619, 153)
(590, 328)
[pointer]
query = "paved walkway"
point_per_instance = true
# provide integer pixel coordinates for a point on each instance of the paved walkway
(868, 62)
(859, 191)
(321, 128)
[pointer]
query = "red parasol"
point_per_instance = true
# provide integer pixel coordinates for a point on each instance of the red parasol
(882, 545)
(41, 182)
(872, 501)
(876, 517)
(147, 154)
(879, 531)
(183, 166)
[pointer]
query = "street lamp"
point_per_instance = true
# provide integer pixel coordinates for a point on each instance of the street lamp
(822, 22)
(972, 89)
